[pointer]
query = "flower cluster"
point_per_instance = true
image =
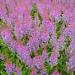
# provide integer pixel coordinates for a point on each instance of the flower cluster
(39, 33)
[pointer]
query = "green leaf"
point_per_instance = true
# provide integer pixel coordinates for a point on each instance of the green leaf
(73, 72)
(25, 39)
(40, 19)
(67, 42)
(2, 68)
(39, 72)
(49, 47)
(26, 71)
(62, 58)
(34, 11)
(32, 54)
(1, 64)
(2, 44)
(13, 35)
(62, 63)
(1, 22)
(58, 28)
(49, 68)
(39, 51)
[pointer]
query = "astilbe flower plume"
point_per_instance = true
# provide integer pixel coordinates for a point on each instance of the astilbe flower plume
(33, 33)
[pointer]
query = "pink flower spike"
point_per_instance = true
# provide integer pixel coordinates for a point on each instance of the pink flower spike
(71, 63)
(9, 67)
(37, 61)
(55, 73)
(44, 55)
(6, 35)
(54, 58)
(34, 71)
(18, 71)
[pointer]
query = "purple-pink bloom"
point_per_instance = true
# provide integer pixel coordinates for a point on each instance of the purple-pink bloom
(54, 58)
(18, 71)
(44, 35)
(71, 63)
(6, 35)
(44, 55)
(33, 44)
(37, 61)
(9, 67)
(55, 73)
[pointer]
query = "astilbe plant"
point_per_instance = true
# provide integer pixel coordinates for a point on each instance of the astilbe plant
(37, 37)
